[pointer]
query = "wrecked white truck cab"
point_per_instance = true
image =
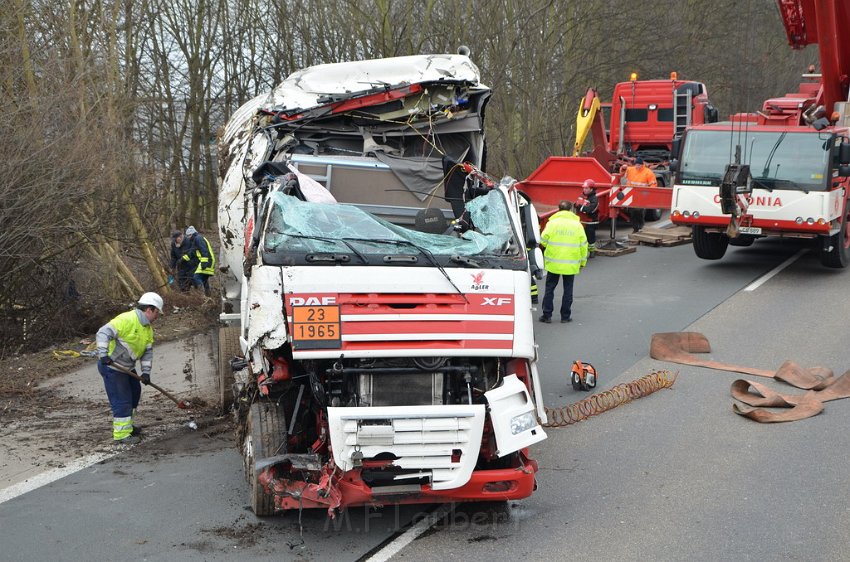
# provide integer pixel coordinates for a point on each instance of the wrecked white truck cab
(377, 292)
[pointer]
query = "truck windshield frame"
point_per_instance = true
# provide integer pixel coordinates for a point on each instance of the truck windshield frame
(798, 161)
(300, 232)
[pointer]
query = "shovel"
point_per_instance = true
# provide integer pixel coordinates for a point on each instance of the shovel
(182, 404)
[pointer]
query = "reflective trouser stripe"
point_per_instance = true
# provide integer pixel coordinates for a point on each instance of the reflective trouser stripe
(591, 247)
(122, 428)
(534, 291)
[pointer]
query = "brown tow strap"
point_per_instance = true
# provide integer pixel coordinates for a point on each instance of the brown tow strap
(822, 386)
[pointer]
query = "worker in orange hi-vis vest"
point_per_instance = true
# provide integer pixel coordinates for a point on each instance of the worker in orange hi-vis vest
(638, 176)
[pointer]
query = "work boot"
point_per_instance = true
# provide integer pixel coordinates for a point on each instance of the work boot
(136, 430)
(546, 319)
(565, 320)
(129, 440)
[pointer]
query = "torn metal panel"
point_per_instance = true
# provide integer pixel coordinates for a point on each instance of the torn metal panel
(512, 414)
(266, 320)
(233, 212)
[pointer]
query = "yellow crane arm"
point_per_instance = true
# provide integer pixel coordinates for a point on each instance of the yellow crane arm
(587, 111)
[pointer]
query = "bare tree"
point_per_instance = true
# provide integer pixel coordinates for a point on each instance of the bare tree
(111, 107)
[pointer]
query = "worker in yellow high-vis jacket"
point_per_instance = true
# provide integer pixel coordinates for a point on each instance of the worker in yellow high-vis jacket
(203, 258)
(564, 256)
(123, 341)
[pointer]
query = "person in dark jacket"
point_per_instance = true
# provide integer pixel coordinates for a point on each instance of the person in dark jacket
(588, 204)
(181, 261)
(203, 259)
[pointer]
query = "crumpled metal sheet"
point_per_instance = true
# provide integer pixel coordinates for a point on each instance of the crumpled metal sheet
(819, 382)
(307, 87)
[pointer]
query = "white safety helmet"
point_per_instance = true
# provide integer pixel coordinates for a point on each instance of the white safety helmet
(152, 299)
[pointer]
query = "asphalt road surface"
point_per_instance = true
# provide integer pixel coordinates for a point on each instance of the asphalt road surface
(676, 475)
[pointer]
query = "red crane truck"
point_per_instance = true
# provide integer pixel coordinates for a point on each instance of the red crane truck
(646, 116)
(790, 160)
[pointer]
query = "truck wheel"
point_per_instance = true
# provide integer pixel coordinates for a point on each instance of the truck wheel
(264, 437)
(228, 347)
(835, 253)
(709, 245)
(653, 215)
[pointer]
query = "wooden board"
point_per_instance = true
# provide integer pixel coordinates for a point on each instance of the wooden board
(650, 236)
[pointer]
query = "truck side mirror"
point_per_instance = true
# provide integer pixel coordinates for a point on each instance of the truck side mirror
(675, 146)
(844, 153)
(536, 256)
(844, 171)
(674, 165)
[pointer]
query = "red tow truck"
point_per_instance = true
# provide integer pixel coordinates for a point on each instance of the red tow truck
(790, 161)
(645, 116)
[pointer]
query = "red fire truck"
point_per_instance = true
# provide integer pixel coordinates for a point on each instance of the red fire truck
(790, 161)
(645, 116)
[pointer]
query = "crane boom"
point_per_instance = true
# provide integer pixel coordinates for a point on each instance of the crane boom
(589, 118)
(809, 22)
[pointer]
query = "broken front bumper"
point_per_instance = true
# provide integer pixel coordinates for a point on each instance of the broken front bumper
(405, 454)
(336, 490)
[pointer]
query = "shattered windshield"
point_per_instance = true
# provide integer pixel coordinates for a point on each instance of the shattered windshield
(777, 159)
(303, 232)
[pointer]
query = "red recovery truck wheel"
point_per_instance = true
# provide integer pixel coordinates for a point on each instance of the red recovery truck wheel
(835, 251)
(709, 245)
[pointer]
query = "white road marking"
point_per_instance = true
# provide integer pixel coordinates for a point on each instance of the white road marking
(46, 478)
(766, 277)
(411, 534)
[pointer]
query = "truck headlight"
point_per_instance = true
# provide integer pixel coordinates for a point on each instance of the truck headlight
(522, 422)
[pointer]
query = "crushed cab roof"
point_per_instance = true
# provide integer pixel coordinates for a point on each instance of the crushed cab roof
(317, 85)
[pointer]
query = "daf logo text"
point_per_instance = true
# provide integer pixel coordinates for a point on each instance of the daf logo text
(311, 301)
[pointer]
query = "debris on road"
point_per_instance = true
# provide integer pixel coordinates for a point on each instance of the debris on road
(609, 399)
(819, 382)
